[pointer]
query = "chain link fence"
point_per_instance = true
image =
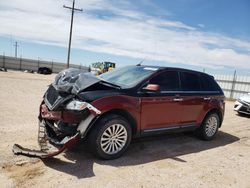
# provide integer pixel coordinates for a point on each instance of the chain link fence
(31, 64)
(234, 85)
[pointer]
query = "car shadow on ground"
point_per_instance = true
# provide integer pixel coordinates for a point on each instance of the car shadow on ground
(243, 115)
(79, 162)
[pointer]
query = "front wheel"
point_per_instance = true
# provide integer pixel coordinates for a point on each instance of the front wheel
(209, 127)
(110, 137)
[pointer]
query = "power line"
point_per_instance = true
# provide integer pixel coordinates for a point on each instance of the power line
(73, 9)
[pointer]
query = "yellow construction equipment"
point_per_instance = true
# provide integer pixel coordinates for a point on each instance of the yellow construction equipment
(102, 67)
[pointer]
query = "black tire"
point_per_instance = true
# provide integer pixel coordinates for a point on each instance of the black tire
(204, 132)
(97, 136)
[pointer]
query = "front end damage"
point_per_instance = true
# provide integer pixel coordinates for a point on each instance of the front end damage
(64, 118)
(59, 130)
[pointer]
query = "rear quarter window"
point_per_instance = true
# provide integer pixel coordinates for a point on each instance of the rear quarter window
(209, 84)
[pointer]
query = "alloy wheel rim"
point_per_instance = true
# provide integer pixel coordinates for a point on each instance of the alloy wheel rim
(211, 126)
(114, 139)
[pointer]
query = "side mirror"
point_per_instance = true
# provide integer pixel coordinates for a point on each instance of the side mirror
(151, 88)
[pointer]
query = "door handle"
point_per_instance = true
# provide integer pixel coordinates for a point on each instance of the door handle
(178, 99)
(206, 98)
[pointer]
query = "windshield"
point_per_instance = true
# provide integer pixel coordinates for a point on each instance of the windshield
(127, 77)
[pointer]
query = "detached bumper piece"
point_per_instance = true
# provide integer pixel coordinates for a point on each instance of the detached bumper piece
(19, 150)
(46, 150)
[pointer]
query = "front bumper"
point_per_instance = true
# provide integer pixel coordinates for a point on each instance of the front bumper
(242, 107)
(59, 125)
(52, 139)
(46, 149)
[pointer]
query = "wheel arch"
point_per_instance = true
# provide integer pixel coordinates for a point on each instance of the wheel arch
(125, 114)
(217, 111)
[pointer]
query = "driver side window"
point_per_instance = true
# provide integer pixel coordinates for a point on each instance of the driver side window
(168, 81)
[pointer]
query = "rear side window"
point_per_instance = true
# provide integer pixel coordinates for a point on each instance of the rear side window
(190, 81)
(168, 81)
(208, 83)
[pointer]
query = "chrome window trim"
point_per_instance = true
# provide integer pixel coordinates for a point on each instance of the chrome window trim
(180, 92)
(190, 92)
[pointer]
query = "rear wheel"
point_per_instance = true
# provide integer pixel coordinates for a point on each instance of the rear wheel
(110, 137)
(209, 127)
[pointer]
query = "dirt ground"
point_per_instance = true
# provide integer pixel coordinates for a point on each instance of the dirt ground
(176, 160)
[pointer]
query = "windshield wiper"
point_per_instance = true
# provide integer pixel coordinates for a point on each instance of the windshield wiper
(110, 84)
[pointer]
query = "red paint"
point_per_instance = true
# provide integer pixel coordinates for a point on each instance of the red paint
(66, 116)
(150, 112)
(52, 115)
(132, 105)
(159, 112)
(192, 107)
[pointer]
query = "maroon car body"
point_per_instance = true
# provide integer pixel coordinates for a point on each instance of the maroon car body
(149, 100)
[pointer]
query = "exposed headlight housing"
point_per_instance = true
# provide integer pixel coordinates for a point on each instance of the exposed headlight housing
(78, 105)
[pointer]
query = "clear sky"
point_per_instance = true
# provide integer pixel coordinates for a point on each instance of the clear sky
(197, 34)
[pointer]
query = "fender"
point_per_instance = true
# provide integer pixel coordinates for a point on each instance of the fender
(214, 105)
(127, 103)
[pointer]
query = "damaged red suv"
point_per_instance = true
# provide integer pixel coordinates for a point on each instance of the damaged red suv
(134, 101)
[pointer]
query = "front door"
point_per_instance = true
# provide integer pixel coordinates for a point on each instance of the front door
(161, 109)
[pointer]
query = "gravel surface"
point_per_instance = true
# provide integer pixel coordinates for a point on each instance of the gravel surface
(176, 160)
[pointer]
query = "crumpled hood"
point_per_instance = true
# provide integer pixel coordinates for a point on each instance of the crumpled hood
(245, 98)
(74, 81)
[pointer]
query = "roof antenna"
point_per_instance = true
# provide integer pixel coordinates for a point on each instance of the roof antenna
(139, 64)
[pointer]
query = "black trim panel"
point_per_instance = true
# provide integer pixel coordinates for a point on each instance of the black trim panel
(177, 128)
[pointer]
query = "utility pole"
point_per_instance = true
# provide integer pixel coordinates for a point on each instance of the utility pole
(38, 62)
(16, 46)
(73, 9)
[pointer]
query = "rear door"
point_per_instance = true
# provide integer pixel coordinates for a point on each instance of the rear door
(211, 92)
(192, 103)
(160, 110)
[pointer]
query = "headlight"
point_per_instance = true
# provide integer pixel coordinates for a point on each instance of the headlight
(237, 102)
(76, 105)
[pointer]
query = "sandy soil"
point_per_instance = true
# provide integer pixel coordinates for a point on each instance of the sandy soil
(176, 160)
